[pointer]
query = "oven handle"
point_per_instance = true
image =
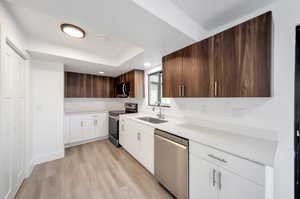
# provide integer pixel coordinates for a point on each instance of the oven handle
(114, 117)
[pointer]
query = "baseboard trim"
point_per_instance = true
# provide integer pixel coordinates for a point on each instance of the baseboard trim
(85, 141)
(48, 157)
(29, 170)
(8, 195)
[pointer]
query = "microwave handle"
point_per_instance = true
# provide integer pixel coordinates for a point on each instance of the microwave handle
(123, 88)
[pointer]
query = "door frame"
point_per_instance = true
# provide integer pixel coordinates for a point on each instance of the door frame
(297, 115)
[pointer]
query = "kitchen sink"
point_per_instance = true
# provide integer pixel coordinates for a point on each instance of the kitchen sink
(152, 120)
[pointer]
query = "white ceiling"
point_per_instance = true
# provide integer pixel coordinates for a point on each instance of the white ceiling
(211, 14)
(121, 34)
(132, 35)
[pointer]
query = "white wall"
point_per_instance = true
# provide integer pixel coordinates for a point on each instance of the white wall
(48, 99)
(275, 113)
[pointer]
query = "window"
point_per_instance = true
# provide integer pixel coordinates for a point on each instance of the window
(155, 90)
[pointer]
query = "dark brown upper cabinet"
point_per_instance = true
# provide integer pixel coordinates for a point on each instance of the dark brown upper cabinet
(197, 71)
(79, 85)
(136, 80)
(242, 59)
(233, 63)
(172, 74)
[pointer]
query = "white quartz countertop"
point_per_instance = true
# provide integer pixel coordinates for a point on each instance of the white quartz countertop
(253, 144)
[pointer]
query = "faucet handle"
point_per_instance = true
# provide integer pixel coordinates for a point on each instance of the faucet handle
(153, 108)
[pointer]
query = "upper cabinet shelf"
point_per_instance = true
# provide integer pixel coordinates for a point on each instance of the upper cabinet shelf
(233, 63)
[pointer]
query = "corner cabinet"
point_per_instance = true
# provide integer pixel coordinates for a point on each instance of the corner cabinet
(233, 63)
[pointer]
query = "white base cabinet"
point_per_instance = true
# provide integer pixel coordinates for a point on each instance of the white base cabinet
(218, 175)
(84, 127)
(138, 139)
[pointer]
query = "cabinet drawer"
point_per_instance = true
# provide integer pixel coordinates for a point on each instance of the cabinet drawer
(245, 168)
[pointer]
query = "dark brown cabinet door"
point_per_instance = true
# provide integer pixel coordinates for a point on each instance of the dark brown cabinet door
(89, 86)
(99, 87)
(242, 59)
(74, 84)
(255, 56)
(226, 64)
(172, 75)
(197, 71)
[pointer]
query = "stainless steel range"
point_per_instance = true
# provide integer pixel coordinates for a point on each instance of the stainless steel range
(113, 121)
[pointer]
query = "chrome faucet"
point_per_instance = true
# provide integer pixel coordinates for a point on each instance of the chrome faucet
(160, 115)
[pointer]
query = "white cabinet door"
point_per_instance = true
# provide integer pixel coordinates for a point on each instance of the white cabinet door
(146, 150)
(76, 124)
(203, 179)
(131, 140)
(87, 128)
(235, 187)
(101, 125)
(122, 133)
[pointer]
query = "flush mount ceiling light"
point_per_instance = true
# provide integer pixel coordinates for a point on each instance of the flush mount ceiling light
(73, 31)
(101, 72)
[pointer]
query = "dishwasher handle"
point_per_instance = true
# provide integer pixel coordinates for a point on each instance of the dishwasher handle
(172, 142)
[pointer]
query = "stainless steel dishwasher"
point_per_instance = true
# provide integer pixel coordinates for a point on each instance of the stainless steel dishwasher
(171, 161)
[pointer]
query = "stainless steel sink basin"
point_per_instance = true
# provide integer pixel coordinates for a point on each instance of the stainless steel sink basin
(152, 120)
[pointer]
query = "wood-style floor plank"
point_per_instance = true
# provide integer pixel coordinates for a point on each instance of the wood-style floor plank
(96, 170)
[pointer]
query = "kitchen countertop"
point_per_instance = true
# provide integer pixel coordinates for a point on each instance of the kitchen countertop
(259, 146)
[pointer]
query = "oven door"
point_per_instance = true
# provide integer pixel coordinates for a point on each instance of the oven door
(114, 127)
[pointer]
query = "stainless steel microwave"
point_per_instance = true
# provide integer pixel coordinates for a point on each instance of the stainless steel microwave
(123, 89)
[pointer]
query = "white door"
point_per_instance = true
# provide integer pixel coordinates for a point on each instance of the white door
(19, 144)
(76, 125)
(203, 179)
(235, 187)
(12, 132)
(6, 133)
(7, 75)
(146, 150)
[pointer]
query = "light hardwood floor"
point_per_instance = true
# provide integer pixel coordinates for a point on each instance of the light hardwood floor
(96, 170)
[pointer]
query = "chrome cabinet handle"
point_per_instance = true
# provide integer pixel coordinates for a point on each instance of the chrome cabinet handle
(220, 180)
(183, 90)
(139, 136)
(214, 177)
(216, 89)
(179, 90)
(95, 122)
(217, 158)
(81, 123)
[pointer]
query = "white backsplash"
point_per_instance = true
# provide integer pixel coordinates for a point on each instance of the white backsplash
(84, 104)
